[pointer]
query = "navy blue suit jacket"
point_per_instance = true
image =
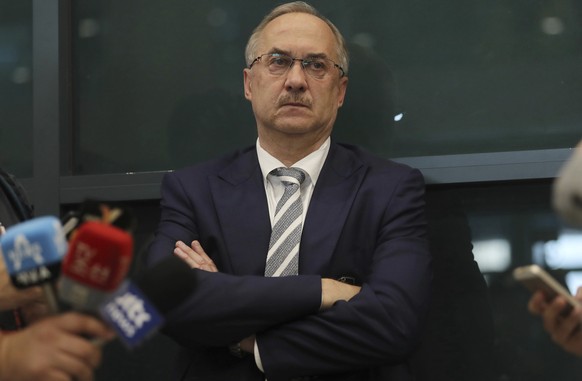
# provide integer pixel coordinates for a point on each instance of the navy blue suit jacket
(365, 224)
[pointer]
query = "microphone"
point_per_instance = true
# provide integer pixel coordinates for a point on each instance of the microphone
(136, 310)
(32, 251)
(567, 190)
(98, 260)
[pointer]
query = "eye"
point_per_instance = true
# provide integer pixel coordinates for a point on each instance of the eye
(279, 61)
(316, 65)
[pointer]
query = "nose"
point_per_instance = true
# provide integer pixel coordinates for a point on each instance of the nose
(296, 80)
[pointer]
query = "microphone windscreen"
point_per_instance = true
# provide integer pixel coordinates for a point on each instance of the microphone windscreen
(98, 260)
(33, 250)
(99, 256)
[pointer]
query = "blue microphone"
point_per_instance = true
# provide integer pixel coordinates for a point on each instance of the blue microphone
(32, 251)
(136, 309)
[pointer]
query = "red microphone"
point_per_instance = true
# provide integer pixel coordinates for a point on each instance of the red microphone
(96, 263)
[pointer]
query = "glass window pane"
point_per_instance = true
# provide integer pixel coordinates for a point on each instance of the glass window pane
(16, 87)
(159, 85)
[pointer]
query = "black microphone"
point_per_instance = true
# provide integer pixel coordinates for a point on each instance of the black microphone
(136, 310)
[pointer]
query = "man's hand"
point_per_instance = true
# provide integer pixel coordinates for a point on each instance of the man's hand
(565, 330)
(333, 291)
(11, 297)
(53, 349)
(195, 256)
(248, 344)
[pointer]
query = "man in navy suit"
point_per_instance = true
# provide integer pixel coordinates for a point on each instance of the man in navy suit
(355, 308)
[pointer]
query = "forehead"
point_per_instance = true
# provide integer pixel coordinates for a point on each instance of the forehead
(298, 33)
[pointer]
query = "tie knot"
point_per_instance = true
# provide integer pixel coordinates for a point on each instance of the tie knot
(292, 175)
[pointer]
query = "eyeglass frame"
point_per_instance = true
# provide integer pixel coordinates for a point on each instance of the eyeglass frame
(303, 61)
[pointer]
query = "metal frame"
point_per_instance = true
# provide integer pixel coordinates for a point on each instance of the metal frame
(46, 106)
(450, 169)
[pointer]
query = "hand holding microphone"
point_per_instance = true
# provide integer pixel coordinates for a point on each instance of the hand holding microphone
(98, 259)
(53, 349)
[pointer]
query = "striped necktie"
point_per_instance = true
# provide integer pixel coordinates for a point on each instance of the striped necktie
(283, 255)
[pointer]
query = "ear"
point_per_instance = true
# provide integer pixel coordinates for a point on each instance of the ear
(343, 85)
(247, 83)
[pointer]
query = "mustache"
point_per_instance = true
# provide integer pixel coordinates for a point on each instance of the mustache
(294, 98)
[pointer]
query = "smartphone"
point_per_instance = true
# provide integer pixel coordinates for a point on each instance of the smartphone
(534, 278)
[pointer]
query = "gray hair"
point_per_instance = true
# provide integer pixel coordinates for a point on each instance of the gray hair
(296, 7)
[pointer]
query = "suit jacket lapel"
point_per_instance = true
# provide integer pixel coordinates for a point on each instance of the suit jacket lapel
(330, 204)
(239, 195)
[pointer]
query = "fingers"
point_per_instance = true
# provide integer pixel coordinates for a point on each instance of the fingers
(77, 355)
(564, 329)
(208, 264)
(183, 252)
(551, 315)
(74, 365)
(195, 256)
(561, 327)
(53, 349)
(537, 303)
(560, 320)
(85, 325)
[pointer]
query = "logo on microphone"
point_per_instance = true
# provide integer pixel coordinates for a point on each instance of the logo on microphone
(24, 250)
(131, 314)
(32, 251)
(83, 264)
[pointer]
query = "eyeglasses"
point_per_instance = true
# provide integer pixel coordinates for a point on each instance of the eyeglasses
(278, 64)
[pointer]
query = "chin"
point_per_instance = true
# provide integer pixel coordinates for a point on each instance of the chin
(294, 128)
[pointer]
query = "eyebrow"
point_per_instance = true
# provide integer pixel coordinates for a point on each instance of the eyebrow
(287, 53)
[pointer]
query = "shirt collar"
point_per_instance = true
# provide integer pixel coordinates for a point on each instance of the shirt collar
(311, 163)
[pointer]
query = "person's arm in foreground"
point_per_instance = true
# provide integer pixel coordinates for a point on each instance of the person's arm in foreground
(564, 329)
(53, 349)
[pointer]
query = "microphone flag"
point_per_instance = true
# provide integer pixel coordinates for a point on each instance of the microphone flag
(131, 314)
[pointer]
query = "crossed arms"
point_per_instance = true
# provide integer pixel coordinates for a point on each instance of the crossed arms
(308, 324)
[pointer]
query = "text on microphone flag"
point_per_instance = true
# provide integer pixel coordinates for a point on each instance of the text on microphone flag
(33, 243)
